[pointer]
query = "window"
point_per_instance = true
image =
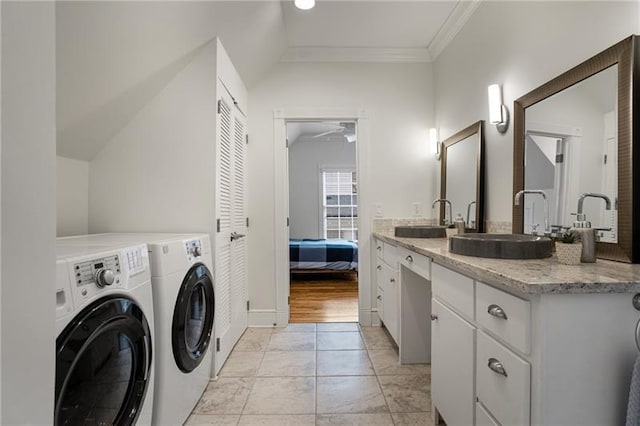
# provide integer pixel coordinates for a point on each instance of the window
(340, 204)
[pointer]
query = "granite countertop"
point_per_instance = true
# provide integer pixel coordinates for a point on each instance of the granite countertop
(535, 276)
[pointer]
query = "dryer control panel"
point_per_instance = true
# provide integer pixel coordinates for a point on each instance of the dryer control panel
(194, 248)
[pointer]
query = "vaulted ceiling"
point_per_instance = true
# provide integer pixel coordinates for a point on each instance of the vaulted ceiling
(113, 57)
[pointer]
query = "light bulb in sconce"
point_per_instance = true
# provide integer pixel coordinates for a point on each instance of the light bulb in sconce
(305, 4)
(434, 143)
(498, 113)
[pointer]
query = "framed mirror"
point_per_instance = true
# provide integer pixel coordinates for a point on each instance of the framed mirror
(462, 176)
(573, 140)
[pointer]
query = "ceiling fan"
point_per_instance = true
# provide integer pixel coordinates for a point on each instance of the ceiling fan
(347, 129)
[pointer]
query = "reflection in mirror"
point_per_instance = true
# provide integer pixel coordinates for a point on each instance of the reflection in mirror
(573, 139)
(462, 176)
(571, 150)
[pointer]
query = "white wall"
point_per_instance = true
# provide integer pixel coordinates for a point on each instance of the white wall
(519, 45)
(157, 174)
(72, 197)
(398, 99)
(28, 212)
(306, 157)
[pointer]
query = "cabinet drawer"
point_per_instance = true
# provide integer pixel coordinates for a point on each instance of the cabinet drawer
(506, 316)
(418, 263)
(454, 288)
(390, 255)
(483, 418)
(379, 248)
(503, 382)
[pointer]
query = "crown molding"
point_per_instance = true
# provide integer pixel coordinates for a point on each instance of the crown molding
(454, 23)
(356, 54)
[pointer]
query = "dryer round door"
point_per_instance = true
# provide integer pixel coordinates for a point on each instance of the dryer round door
(193, 318)
(103, 364)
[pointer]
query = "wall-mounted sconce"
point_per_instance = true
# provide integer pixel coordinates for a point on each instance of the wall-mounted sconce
(434, 142)
(305, 4)
(498, 113)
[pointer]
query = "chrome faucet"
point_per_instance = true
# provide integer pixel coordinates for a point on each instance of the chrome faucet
(447, 221)
(468, 211)
(593, 195)
(516, 201)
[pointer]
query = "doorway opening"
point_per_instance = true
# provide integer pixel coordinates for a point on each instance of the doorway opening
(323, 220)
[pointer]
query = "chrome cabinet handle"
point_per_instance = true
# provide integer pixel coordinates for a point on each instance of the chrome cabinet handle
(434, 317)
(497, 367)
(409, 258)
(379, 297)
(379, 248)
(379, 267)
(497, 312)
(393, 280)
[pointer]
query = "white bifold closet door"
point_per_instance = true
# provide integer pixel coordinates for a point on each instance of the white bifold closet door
(231, 241)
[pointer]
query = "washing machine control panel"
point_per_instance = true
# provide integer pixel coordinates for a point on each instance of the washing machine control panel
(102, 271)
(194, 248)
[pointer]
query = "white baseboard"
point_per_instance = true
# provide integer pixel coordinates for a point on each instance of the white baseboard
(282, 318)
(262, 318)
(375, 319)
(364, 317)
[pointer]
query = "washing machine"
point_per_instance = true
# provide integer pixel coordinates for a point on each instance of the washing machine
(184, 304)
(105, 353)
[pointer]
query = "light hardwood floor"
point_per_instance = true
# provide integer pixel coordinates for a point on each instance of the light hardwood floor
(326, 297)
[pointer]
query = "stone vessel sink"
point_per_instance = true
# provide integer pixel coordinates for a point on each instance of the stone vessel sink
(501, 246)
(421, 231)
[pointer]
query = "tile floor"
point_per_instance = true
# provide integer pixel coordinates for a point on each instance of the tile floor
(316, 374)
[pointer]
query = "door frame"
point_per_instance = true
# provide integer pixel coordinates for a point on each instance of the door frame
(281, 177)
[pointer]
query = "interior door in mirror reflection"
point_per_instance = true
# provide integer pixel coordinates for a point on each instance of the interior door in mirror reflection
(570, 150)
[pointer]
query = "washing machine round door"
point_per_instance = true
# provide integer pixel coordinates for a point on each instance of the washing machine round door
(103, 364)
(193, 318)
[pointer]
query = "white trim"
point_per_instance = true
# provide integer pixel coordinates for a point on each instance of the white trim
(357, 54)
(262, 318)
(281, 200)
(365, 317)
(553, 129)
(452, 26)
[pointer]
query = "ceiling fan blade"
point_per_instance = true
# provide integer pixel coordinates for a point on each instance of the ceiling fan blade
(329, 132)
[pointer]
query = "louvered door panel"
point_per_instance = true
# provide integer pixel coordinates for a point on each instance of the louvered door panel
(223, 273)
(239, 227)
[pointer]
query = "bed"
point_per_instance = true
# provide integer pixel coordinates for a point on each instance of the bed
(310, 255)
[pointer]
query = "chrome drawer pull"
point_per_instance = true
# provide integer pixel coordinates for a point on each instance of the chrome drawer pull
(434, 317)
(497, 312)
(379, 267)
(393, 280)
(379, 248)
(379, 297)
(497, 367)
(409, 259)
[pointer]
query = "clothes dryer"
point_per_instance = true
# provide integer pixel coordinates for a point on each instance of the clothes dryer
(105, 326)
(184, 305)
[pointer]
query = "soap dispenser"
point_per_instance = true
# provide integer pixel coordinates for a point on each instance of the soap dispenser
(586, 234)
(459, 223)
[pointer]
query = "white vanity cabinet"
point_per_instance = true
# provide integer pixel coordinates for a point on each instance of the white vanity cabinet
(512, 342)
(388, 293)
(475, 376)
(539, 359)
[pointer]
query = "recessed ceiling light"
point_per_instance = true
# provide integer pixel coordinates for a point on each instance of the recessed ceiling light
(305, 4)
